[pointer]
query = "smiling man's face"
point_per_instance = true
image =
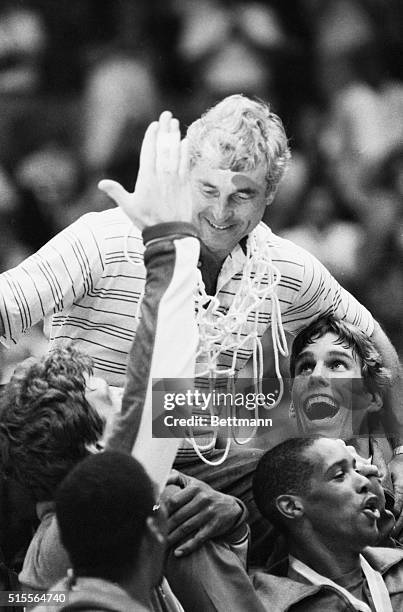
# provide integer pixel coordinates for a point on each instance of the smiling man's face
(328, 387)
(226, 205)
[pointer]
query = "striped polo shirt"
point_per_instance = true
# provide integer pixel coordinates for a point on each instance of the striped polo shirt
(88, 280)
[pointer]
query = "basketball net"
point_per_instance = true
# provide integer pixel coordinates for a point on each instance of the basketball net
(231, 331)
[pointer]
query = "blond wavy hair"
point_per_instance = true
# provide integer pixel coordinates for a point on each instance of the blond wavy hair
(240, 134)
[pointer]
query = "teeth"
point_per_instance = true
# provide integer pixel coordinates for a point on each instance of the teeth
(218, 227)
(324, 399)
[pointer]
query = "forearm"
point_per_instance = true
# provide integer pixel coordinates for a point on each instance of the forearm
(165, 344)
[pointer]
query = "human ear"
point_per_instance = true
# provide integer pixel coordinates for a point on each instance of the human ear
(290, 506)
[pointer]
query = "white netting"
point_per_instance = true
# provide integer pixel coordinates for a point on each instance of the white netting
(222, 332)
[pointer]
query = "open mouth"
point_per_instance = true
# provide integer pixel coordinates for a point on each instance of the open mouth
(371, 508)
(218, 227)
(319, 407)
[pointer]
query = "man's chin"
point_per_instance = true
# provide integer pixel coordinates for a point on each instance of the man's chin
(338, 426)
(324, 427)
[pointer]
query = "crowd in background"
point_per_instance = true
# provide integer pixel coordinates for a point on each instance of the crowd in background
(80, 81)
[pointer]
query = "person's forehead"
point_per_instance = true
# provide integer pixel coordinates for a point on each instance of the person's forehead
(325, 452)
(329, 343)
(211, 173)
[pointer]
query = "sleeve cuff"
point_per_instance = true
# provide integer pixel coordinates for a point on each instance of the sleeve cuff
(171, 229)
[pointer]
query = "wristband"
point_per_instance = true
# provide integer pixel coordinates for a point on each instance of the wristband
(398, 450)
(170, 229)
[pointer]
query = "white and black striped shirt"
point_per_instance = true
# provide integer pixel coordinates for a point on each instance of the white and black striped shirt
(83, 284)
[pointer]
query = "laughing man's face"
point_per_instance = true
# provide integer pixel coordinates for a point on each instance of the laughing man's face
(226, 205)
(328, 393)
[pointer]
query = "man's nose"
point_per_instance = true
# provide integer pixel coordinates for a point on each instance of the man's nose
(362, 484)
(221, 210)
(318, 377)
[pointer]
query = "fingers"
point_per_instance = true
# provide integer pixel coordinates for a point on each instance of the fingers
(398, 507)
(368, 470)
(180, 532)
(184, 159)
(177, 478)
(116, 192)
(398, 527)
(385, 526)
(168, 145)
(195, 541)
(180, 505)
(148, 148)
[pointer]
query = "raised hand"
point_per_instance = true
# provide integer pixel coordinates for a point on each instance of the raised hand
(197, 513)
(162, 192)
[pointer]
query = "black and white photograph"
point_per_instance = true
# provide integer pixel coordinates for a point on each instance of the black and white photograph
(201, 305)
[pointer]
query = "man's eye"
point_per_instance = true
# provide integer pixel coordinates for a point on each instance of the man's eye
(207, 191)
(242, 197)
(339, 476)
(305, 368)
(338, 364)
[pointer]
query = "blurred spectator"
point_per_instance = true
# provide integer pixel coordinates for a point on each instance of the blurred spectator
(121, 98)
(290, 193)
(23, 39)
(322, 231)
(382, 254)
(49, 180)
(230, 48)
(363, 106)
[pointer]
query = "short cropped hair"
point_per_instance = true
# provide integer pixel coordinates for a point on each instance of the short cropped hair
(240, 134)
(46, 421)
(282, 470)
(375, 375)
(101, 508)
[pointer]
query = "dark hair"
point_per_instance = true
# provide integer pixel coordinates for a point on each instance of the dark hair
(46, 421)
(282, 470)
(101, 507)
(376, 376)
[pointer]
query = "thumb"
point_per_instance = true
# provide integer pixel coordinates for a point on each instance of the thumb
(177, 478)
(116, 192)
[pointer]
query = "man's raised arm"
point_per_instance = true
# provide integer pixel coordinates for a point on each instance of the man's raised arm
(167, 337)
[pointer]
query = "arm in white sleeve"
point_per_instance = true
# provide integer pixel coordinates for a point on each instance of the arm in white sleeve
(165, 345)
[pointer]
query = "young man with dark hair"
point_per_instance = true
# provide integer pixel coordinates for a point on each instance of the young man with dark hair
(311, 489)
(339, 382)
(114, 533)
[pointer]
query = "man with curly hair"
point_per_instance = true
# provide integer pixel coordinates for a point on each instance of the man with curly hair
(46, 427)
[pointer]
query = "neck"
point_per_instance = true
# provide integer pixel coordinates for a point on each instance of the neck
(326, 558)
(139, 586)
(211, 264)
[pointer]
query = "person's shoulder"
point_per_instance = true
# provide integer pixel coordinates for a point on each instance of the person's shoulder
(383, 558)
(105, 225)
(280, 593)
(107, 218)
(281, 249)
